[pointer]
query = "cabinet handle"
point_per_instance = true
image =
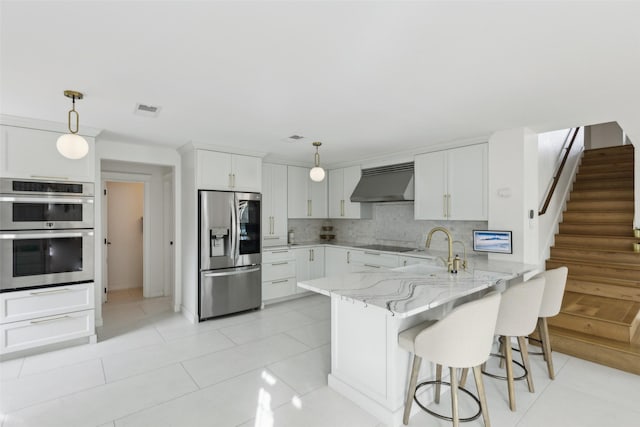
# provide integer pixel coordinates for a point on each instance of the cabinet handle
(272, 238)
(279, 281)
(52, 319)
(448, 205)
(372, 266)
(50, 177)
(271, 227)
(444, 205)
(308, 207)
(53, 291)
(372, 253)
(310, 259)
(313, 255)
(230, 182)
(234, 179)
(280, 252)
(341, 207)
(404, 263)
(281, 263)
(348, 257)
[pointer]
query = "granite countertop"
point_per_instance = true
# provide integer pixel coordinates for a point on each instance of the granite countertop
(410, 290)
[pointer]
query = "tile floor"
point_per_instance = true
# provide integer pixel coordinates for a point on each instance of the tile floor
(151, 367)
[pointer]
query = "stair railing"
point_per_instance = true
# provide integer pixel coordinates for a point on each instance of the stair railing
(556, 176)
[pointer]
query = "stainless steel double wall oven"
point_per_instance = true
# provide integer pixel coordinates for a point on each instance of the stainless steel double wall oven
(46, 233)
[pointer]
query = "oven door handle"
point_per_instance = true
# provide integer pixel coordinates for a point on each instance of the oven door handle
(54, 235)
(48, 200)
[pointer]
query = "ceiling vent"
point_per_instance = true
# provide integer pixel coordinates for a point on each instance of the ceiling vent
(147, 110)
(293, 138)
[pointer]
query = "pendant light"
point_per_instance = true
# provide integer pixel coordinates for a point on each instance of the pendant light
(317, 173)
(71, 145)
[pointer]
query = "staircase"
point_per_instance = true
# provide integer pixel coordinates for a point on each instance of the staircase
(600, 315)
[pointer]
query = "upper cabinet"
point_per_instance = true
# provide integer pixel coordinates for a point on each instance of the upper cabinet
(306, 198)
(274, 204)
(342, 182)
(452, 184)
(32, 154)
(230, 172)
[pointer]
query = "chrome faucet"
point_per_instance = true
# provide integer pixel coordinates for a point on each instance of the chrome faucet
(449, 239)
(464, 253)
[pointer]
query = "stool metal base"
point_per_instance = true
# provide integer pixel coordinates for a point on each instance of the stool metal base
(501, 377)
(532, 353)
(443, 417)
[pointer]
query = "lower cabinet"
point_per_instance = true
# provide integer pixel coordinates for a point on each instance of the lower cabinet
(39, 317)
(336, 261)
(309, 264)
(278, 274)
(369, 260)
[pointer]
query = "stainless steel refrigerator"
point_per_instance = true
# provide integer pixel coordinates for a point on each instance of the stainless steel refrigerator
(229, 253)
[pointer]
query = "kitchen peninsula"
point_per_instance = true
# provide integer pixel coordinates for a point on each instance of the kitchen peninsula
(369, 309)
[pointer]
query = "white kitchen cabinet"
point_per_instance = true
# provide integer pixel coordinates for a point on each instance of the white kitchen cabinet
(404, 261)
(306, 198)
(371, 260)
(341, 184)
(278, 274)
(274, 204)
(336, 261)
(452, 184)
(309, 263)
(32, 154)
(228, 172)
(33, 318)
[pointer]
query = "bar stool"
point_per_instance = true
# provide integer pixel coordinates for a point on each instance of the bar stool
(555, 282)
(517, 317)
(462, 339)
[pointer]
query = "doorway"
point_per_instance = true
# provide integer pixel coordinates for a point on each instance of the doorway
(124, 248)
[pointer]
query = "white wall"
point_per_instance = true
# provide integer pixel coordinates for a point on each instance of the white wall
(107, 149)
(125, 212)
(603, 135)
(189, 230)
(513, 191)
(631, 126)
(550, 152)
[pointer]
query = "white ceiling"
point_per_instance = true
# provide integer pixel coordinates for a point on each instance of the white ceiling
(365, 78)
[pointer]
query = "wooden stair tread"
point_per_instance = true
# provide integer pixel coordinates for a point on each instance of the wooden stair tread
(607, 280)
(601, 308)
(625, 266)
(616, 354)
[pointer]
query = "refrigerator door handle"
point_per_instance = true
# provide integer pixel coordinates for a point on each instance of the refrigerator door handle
(230, 273)
(235, 227)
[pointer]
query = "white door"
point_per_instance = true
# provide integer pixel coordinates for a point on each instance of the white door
(298, 192)
(351, 178)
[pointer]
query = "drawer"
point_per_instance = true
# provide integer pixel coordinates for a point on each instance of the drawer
(278, 288)
(278, 270)
(374, 259)
(31, 304)
(46, 330)
(277, 255)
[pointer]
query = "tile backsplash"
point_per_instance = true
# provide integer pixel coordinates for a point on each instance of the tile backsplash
(391, 224)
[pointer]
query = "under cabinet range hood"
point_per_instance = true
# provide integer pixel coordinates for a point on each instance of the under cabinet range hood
(393, 183)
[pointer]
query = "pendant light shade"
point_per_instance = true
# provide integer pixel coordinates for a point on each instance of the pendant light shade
(316, 173)
(72, 145)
